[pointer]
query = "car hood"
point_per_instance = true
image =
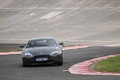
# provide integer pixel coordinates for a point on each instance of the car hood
(42, 50)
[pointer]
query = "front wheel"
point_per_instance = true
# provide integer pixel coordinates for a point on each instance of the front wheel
(60, 63)
(26, 64)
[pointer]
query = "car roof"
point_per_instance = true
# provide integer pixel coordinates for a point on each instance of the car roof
(41, 38)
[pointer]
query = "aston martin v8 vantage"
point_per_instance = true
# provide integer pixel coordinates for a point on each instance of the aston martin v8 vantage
(42, 51)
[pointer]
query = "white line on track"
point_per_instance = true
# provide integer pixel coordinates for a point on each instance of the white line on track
(65, 70)
(50, 15)
(112, 45)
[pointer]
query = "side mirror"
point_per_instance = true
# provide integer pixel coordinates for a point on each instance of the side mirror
(62, 44)
(22, 46)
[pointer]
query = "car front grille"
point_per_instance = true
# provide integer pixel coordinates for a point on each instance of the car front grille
(42, 56)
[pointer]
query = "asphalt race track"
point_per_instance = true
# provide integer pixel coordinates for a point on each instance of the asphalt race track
(11, 66)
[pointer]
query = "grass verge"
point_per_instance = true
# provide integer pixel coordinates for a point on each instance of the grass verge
(10, 50)
(109, 65)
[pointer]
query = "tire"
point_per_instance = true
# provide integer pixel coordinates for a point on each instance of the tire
(60, 63)
(26, 64)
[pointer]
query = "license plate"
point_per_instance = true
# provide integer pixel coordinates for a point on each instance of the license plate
(41, 59)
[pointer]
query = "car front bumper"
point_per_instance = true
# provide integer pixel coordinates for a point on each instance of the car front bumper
(47, 59)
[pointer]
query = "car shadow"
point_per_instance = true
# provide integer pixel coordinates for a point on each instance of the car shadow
(41, 65)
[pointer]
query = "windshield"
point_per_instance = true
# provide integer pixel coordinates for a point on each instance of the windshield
(41, 42)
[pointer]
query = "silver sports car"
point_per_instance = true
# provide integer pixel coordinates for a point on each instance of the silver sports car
(42, 51)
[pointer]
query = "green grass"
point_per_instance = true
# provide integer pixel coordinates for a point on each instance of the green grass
(109, 65)
(11, 50)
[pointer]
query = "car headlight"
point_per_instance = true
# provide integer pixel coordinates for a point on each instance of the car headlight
(27, 55)
(55, 53)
